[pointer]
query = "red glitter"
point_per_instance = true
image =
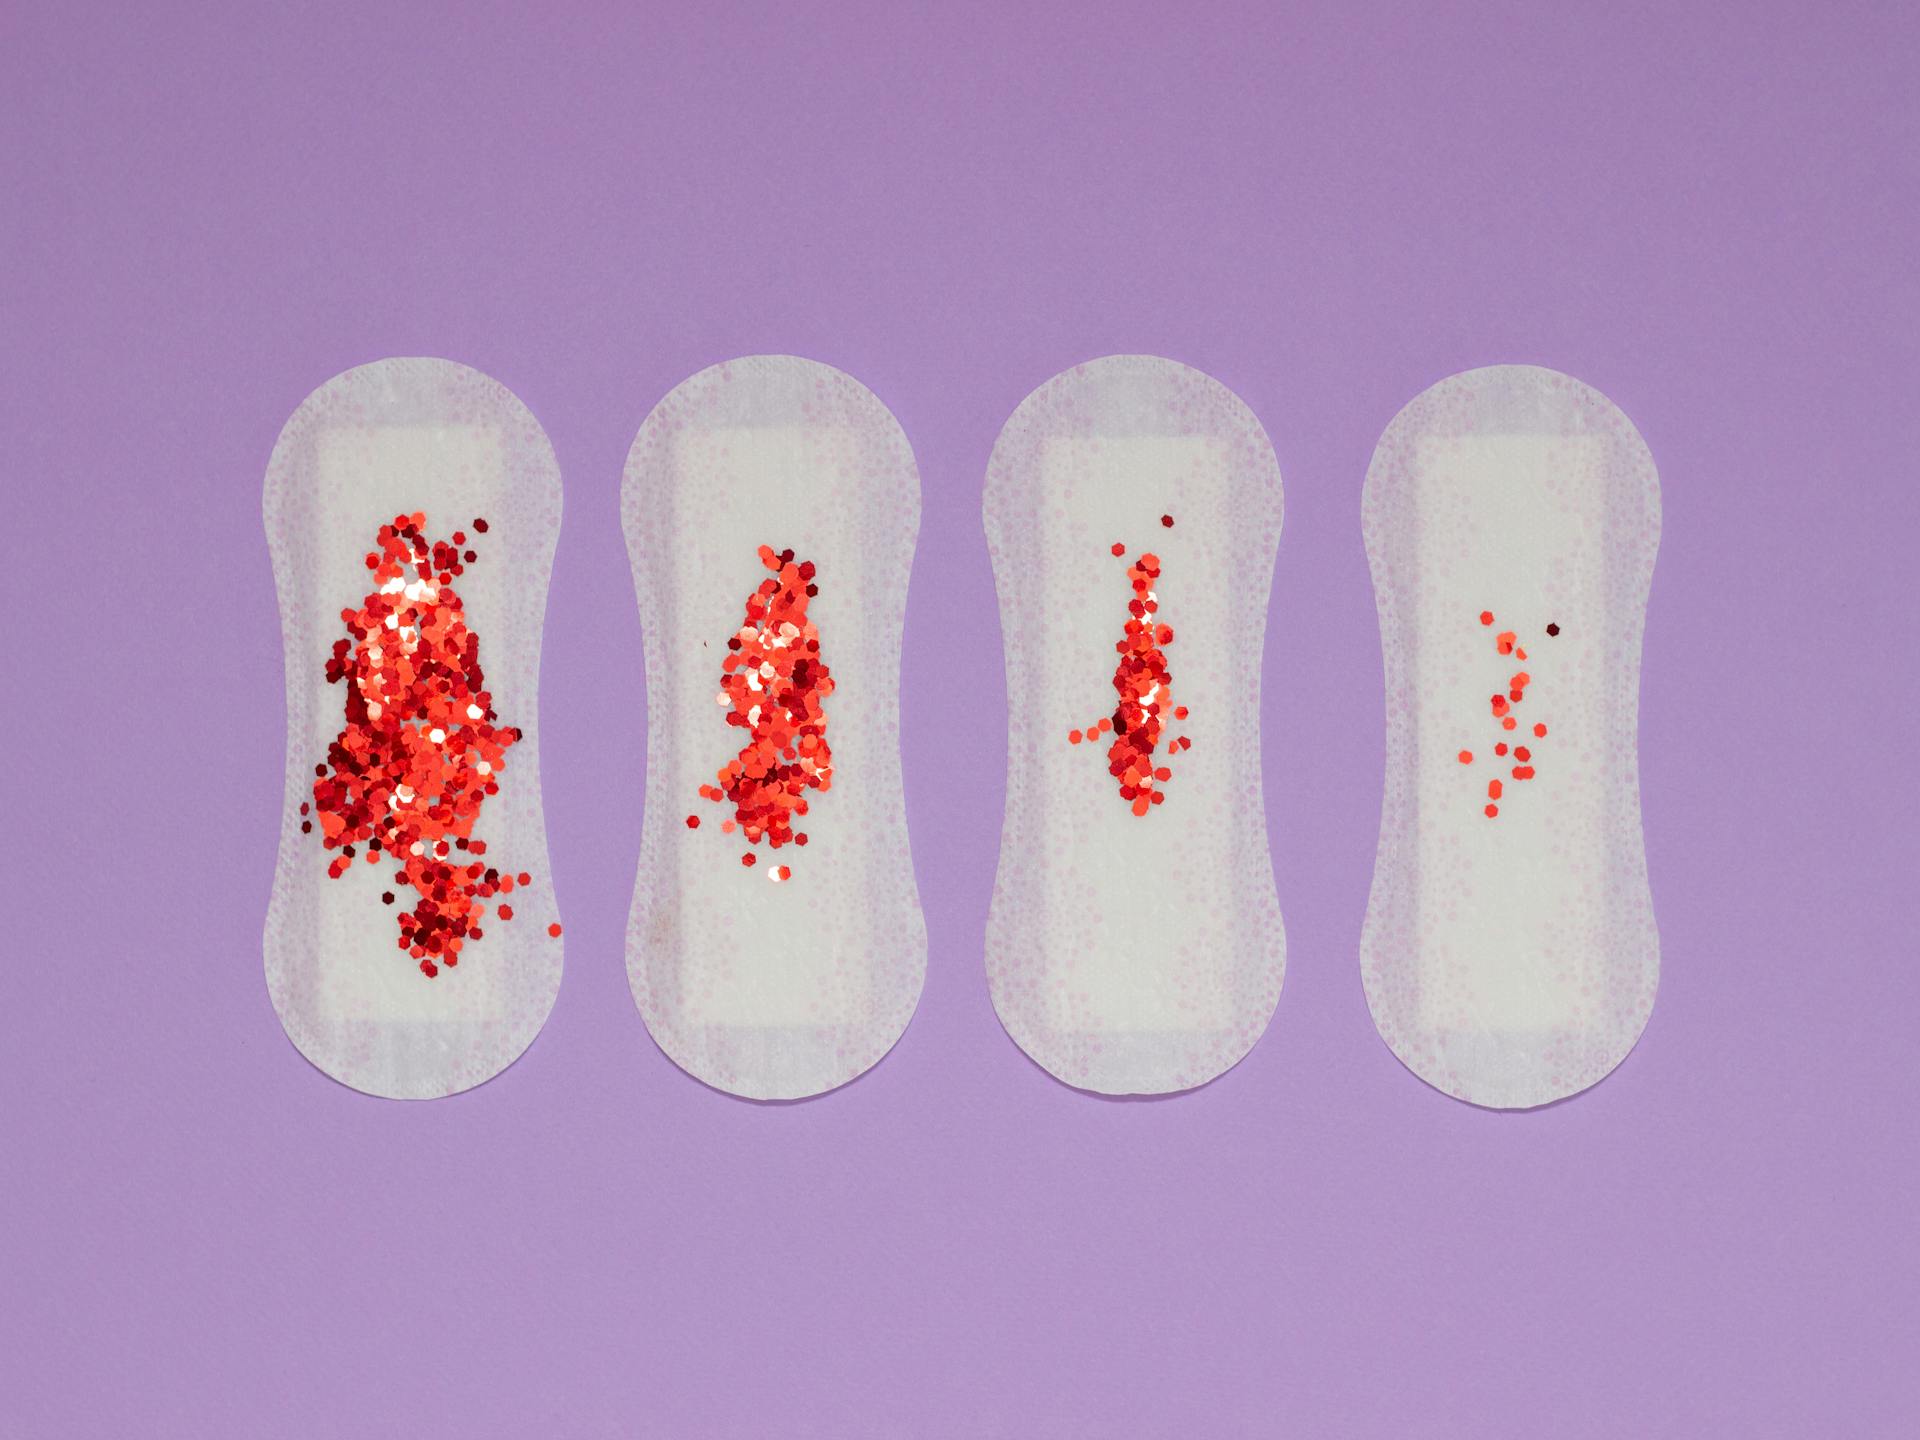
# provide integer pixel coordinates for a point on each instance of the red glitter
(420, 752)
(1143, 683)
(773, 683)
(1506, 643)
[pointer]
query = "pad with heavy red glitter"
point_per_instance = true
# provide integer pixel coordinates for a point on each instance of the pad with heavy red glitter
(776, 946)
(412, 944)
(1511, 516)
(1135, 943)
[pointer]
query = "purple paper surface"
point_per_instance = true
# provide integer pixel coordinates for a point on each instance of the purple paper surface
(1703, 211)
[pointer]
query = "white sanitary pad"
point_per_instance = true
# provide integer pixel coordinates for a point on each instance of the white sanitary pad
(794, 974)
(1135, 944)
(1511, 517)
(429, 438)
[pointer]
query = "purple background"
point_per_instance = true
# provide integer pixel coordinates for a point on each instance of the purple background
(1706, 215)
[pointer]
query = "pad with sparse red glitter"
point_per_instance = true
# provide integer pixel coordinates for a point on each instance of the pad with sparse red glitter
(1133, 511)
(1511, 517)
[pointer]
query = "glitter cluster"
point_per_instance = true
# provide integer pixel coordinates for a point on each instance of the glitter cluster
(773, 685)
(1144, 686)
(1504, 706)
(419, 752)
